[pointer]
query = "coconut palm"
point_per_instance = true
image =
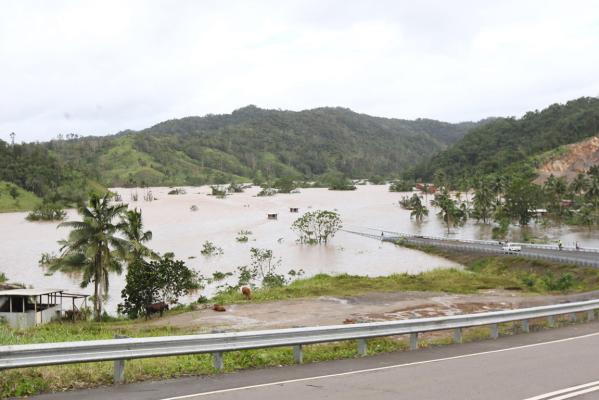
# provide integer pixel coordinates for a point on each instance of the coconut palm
(579, 184)
(451, 213)
(93, 247)
(586, 216)
(133, 231)
(419, 210)
(483, 202)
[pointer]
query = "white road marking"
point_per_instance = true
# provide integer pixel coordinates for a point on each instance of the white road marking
(576, 394)
(188, 396)
(566, 390)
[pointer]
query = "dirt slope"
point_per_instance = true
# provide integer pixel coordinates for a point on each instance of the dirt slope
(577, 158)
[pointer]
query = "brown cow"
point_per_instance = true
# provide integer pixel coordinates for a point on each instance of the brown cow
(247, 292)
(156, 308)
(219, 308)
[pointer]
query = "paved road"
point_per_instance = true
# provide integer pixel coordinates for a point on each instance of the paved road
(555, 364)
(571, 256)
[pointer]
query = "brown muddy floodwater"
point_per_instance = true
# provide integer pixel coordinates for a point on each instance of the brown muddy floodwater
(178, 229)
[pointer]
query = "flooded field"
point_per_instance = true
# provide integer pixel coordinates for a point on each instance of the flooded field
(178, 229)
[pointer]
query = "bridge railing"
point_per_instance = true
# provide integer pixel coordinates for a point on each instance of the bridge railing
(119, 350)
(541, 246)
(560, 257)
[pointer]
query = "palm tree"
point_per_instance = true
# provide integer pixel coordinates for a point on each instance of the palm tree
(133, 230)
(592, 193)
(579, 184)
(586, 216)
(419, 210)
(93, 248)
(483, 202)
(450, 212)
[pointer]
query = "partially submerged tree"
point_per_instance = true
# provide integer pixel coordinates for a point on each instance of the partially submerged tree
(133, 229)
(317, 226)
(419, 210)
(484, 201)
(452, 213)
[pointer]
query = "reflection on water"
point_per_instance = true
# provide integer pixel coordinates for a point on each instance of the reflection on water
(178, 229)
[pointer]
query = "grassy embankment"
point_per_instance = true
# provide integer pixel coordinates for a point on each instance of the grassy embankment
(481, 273)
(13, 198)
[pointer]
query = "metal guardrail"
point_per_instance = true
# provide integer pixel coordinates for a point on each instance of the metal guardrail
(119, 350)
(566, 255)
(562, 257)
(493, 242)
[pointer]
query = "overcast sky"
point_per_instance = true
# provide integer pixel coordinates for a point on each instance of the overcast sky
(99, 67)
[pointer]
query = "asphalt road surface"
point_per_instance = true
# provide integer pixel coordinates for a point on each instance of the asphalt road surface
(555, 364)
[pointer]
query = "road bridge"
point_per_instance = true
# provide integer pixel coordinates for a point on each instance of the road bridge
(588, 257)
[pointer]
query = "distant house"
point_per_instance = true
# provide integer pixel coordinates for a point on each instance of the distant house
(426, 187)
(566, 203)
(24, 308)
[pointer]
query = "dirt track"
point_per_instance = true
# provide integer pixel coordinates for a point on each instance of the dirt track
(367, 308)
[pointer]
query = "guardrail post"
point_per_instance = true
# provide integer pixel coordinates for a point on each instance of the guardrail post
(590, 315)
(457, 335)
(525, 326)
(414, 341)
(219, 361)
(362, 347)
(494, 331)
(119, 372)
(298, 354)
(551, 321)
(572, 317)
(119, 366)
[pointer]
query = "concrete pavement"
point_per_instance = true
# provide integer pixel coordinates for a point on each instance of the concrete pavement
(554, 364)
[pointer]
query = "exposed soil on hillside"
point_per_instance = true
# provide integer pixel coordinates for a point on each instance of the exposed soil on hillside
(368, 308)
(578, 158)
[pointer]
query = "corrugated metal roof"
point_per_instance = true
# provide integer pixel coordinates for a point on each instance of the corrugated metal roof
(29, 292)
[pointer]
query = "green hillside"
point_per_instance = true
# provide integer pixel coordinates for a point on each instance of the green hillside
(36, 173)
(13, 198)
(256, 143)
(511, 145)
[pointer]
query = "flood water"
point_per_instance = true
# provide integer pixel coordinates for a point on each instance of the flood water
(178, 229)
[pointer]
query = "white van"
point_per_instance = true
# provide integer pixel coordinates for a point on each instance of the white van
(510, 247)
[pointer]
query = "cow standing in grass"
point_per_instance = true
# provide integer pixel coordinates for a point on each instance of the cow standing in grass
(156, 308)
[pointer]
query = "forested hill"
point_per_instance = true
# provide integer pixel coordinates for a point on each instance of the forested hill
(510, 145)
(256, 143)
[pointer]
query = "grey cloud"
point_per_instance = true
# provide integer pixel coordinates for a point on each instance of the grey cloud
(101, 67)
